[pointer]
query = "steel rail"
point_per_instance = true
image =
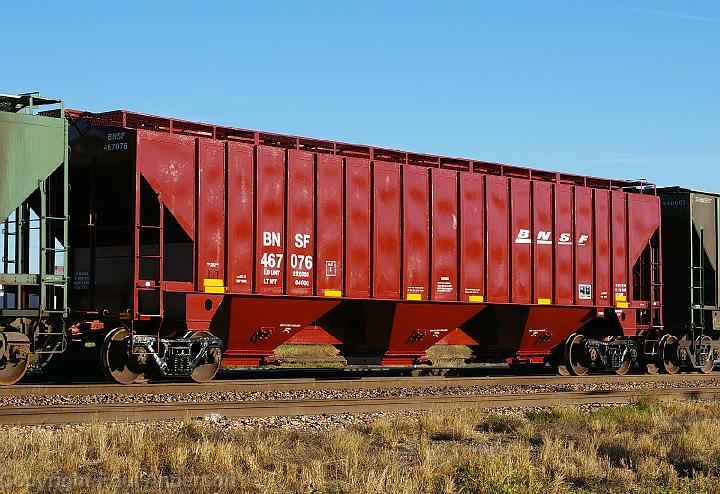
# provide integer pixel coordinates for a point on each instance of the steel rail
(68, 414)
(335, 383)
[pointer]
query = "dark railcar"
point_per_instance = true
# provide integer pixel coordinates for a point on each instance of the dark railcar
(690, 277)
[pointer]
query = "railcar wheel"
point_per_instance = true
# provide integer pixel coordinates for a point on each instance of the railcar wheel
(668, 354)
(561, 369)
(710, 362)
(651, 368)
(14, 364)
(575, 359)
(12, 372)
(205, 372)
(624, 367)
(117, 362)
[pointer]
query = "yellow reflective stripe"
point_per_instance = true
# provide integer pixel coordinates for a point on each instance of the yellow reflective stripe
(476, 298)
(544, 301)
(213, 282)
(333, 293)
(213, 285)
(413, 296)
(622, 305)
(620, 298)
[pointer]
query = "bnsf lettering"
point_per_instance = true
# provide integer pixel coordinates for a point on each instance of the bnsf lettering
(302, 240)
(116, 146)
(523, 237)
(271, 239)
(545, 238)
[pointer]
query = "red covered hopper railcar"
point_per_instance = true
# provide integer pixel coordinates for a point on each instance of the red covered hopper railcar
(253, 236)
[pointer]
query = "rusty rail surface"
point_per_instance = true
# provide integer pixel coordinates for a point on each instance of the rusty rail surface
(333, 381)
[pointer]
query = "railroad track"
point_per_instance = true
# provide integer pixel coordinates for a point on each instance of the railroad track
(68, 414)
(356, 381)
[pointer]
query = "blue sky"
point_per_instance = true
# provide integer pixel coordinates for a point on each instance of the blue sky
(615, 88)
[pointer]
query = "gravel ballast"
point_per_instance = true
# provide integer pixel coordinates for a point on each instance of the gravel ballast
(339, 394)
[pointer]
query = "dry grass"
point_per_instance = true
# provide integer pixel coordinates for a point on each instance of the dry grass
(306, 351)
(449, 355)
(443, 352)
(301, 356)
(646, 447)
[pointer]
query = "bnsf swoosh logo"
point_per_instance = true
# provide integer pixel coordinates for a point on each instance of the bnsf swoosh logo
(545, 238)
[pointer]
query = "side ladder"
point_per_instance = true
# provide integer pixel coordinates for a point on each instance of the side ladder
(697, 290)
(656, 326)
(149, 307)
(43, 297)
